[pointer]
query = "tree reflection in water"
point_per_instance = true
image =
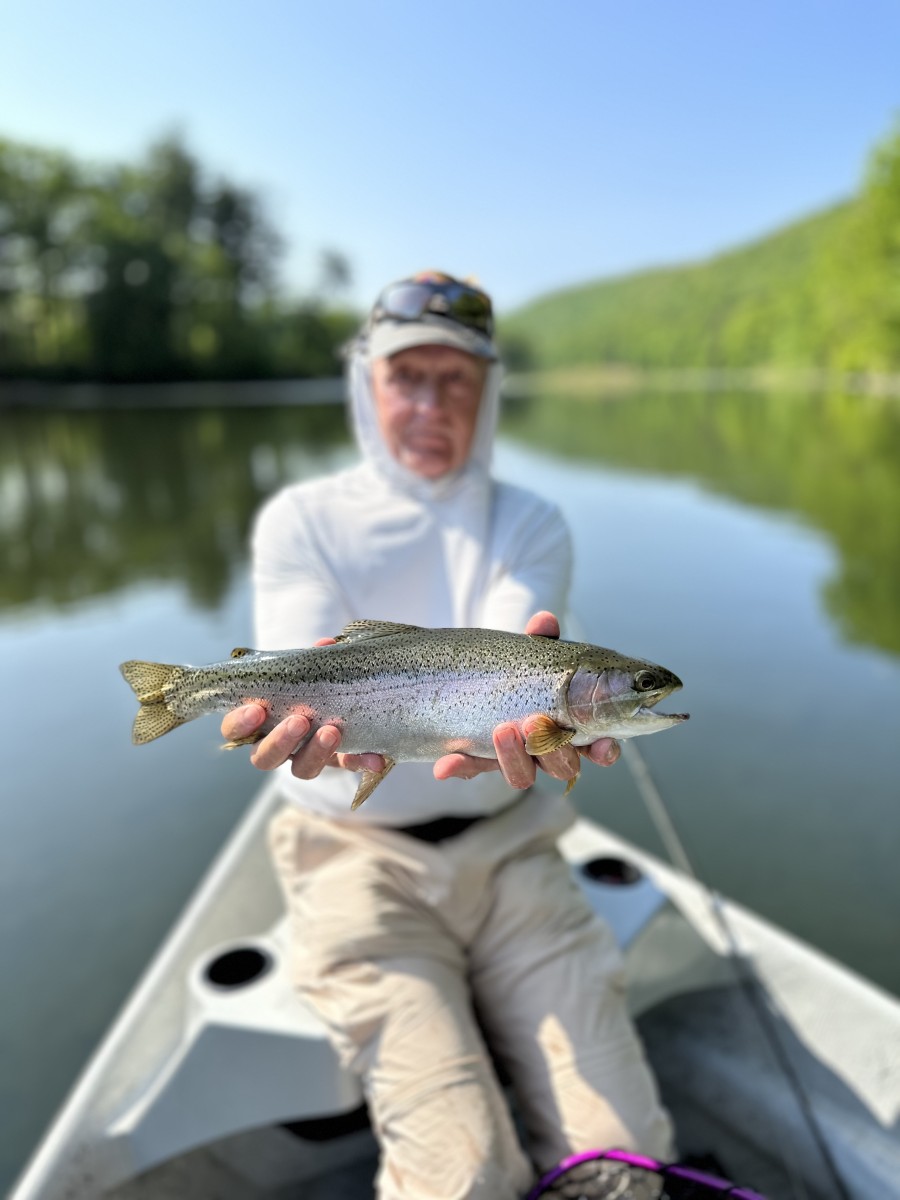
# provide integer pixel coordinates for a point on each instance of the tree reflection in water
(93, 502)
(831, 460)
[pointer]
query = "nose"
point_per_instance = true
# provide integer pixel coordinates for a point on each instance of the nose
(427, 394)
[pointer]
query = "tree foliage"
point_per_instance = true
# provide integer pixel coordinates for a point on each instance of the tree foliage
(823, 292)
(153, 270)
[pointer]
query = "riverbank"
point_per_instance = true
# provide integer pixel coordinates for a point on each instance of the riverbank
(589, 382)
(227, 393)
(618, 378)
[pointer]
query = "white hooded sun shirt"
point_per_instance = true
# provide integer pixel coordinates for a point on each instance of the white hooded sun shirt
(377, 541)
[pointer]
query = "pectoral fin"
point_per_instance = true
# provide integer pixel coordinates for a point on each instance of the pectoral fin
(546, 736)
(370, 781)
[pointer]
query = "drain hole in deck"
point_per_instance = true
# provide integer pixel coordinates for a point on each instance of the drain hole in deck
(615, 871)
(236, 968)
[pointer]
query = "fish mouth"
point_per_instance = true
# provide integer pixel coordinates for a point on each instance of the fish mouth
(647, 711)
(647, 708)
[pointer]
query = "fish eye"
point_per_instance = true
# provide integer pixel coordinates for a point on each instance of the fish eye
(645, 681)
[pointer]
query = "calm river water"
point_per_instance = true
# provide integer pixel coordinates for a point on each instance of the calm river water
(751, 543)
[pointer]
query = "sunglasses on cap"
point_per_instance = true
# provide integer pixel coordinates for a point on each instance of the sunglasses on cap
(411, 299)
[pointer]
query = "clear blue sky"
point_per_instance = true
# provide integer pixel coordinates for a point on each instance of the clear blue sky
(534, 145)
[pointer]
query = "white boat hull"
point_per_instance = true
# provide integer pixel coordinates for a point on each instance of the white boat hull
(190, 1091)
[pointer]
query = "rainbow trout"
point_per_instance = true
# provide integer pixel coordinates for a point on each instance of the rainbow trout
(410, 693)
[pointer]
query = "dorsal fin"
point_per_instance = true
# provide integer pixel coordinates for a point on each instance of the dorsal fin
(240, 651)
(357, 631)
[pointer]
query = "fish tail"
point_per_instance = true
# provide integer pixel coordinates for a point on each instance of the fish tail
(151, 682)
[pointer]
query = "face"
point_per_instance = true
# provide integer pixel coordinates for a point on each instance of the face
(427, 402)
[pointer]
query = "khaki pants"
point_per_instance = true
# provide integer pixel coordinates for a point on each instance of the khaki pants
(412, 953)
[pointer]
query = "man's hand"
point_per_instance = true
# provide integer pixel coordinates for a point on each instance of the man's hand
(279, 745)
(518, 767)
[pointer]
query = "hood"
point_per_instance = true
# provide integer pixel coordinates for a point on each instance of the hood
(374, 449)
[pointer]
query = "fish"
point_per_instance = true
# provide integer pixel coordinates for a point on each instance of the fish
(413, 694)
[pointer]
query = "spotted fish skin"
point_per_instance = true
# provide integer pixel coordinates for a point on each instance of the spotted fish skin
(412, 693)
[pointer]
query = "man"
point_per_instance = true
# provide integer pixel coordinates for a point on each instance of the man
(444, 895)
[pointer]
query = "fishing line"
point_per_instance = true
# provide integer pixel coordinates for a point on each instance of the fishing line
(751, 985)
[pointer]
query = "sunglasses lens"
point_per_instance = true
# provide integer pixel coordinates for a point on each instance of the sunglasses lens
(471, 308)
(407, 300)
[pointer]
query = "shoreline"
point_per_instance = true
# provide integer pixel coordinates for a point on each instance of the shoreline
(224, 393)
(587, 381)
(619, 378)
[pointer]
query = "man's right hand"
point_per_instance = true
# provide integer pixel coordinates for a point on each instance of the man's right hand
(279, 745)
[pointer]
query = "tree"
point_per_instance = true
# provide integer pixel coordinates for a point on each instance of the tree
(335, 274)
(147, 270)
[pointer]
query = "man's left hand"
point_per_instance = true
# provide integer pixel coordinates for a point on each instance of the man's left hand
(518, 766)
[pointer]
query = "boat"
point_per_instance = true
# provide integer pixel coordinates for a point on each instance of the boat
(216, 1081)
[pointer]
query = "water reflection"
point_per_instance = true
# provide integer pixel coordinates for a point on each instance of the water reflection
(91, 502)
(833, 461)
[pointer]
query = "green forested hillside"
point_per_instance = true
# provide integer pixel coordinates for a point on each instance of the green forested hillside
(823, 292)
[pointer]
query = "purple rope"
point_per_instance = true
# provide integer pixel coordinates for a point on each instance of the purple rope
(722, 1186)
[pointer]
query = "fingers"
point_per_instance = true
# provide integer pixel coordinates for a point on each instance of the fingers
(241, 722)
(518, 767)
(319, 752)
(361, 762)
(284, 742)
(463, 766)
(515, 762)
(543, 624)
(311, 757)
(604, 752)
(563, 763)
(278, 745)
(512, 759)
